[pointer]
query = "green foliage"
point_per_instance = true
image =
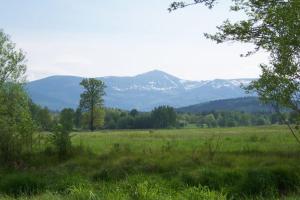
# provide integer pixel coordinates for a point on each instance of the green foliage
(210, 120)
(12, 61)
(231, 119)
(202, 193)
(81, 192)
(45, 119)
(66, 119)
(134, 112)
(163, 117)
(113, 174)
(16, 126)
(263, 182)
(91, 100)
(62, 140)
(98, 121)
(165, 164)
(257, 182)
(272, 26)
(21, 184)
(78, 118)
(41, 116)
(117, 119)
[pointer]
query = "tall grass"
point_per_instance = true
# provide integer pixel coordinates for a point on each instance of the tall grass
(231, 163)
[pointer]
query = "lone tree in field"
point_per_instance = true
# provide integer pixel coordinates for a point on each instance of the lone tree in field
(92, 99)
(272, 26)
(16, 125)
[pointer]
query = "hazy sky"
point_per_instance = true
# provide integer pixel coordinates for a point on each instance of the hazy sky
(93, 38)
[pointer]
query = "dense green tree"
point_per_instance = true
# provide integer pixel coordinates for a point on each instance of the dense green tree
(78, 118)
(134, 112)
(16, 125)
(34, 110)
(210, 120)
(66, 119)
(45, 119)
(92, 99)
(98, 120)
(111, 118)
(245, 119)
(126, 122)
(163, 117)
(143, 121)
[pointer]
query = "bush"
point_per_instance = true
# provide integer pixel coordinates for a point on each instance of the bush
(61, 139)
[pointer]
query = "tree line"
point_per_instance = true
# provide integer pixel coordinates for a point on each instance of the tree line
(231, 119)
(159, 117)
(104, 118)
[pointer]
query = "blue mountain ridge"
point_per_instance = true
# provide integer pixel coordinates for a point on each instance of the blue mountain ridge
(143, 92)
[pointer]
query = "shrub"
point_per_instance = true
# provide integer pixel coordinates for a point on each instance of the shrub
(62, 140)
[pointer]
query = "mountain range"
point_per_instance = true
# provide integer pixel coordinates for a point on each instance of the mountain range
(143, 92)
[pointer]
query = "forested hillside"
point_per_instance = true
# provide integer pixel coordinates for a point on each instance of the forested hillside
(244, 104)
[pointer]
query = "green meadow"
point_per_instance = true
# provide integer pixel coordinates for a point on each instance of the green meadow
(184, 164)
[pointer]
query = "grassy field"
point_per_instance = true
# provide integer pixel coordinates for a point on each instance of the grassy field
(219, 163)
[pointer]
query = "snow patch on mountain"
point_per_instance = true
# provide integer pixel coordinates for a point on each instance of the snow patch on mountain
(144, 91)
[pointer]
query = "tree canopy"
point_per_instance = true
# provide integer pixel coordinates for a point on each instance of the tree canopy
(272, 26)
(92, 99)
(16, 125)
(12, 61)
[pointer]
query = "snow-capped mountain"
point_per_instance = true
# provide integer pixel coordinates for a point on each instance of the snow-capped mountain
(142, 92)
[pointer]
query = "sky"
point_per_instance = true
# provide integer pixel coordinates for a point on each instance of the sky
(95, 38)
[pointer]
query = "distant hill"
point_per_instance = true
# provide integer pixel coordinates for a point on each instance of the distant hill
(143, 92)
(245, 104)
